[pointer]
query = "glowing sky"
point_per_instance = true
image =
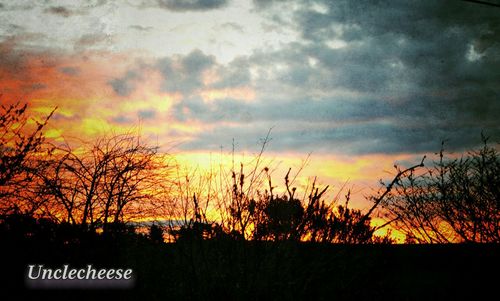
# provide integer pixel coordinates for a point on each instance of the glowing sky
(360, 84)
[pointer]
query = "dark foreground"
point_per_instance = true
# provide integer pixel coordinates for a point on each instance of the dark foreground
(233, 270)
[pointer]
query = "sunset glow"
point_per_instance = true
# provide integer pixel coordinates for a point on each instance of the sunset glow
(354, 90)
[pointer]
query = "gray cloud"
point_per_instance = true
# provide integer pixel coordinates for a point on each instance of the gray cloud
(329, 110)
(184, 74)
(15, 6)
(235, 74)
(232, 26)
(352, 138)
(364, 77)
(87, 41)
(125, 85)
(433, 64)
(33, 87)
(70, 70)
(146, 114)
(121, 119)
(419, 73)
(192, 5)
(59, 11)
(180, 74)
(261, 4)
(141, 28)
(14, 59)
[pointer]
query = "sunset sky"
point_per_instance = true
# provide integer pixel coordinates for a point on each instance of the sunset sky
(361, 85)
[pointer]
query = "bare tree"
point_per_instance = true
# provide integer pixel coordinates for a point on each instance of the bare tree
(113, 178)
(456, 200)
(22, 154)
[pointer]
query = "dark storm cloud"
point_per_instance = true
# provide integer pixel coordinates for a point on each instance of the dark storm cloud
(184, 74)
(364, 77)
(433, 64)
(338, 125)
(350, 138)
(332, 111)
(192, 5)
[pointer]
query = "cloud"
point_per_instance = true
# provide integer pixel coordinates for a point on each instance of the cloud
(70, 70)
(192, 74)
(125, 85)
(232, 26)
(184, 74)
(363, 79)
(59, 11)
(87, 41)
(261, 4)
(358, 77)
(26, 6)
(380, 137)
(429, 69)
(187, 74)
(234, 74)
(192, 5)
(366, 78)
(147, 114)
(141, 28)
(332, 111)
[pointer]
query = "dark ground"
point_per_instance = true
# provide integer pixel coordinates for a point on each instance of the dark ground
(233, 270)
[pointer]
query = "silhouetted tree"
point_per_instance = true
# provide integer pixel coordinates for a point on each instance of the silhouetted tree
(99, 183)
(335, 223)
(456, 200)
(281, 220)
(156, 233)
(22, 154)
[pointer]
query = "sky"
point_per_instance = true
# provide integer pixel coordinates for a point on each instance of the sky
(359, 85)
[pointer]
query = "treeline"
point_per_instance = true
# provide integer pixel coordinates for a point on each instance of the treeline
(105, 184)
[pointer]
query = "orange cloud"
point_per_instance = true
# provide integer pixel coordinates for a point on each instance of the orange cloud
(79, 86)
